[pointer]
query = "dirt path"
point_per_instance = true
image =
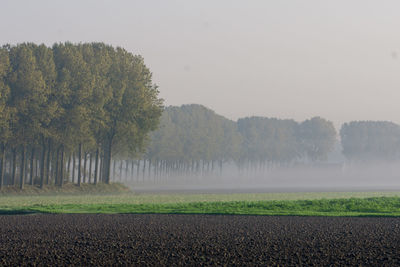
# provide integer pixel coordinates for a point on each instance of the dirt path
(197, 239)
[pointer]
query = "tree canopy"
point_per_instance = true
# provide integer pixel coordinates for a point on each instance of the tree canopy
(89, 95)
(193, 135)
(370, 140)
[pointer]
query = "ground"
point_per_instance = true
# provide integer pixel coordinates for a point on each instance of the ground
(100, 239)
(193, 240)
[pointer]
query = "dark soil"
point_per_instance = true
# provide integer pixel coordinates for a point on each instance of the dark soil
(189, 240)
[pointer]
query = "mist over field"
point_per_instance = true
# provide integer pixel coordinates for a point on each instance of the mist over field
(382, 176)
(197, 150)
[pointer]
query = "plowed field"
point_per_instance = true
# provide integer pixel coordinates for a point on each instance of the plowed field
(187, 240)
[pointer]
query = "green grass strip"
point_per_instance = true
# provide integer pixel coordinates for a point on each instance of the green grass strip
(375, 206)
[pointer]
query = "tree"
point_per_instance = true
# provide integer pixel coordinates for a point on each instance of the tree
(317, 138)
(75, 87)
(267, 140)
(88, 96)
(191, 137)
(370, 140)
(4, 110)
(49, 107)
(134, 109)
(28, 93)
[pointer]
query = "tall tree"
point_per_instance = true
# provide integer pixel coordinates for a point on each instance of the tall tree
(4, 110)
(370, 140)
(318, 137)
(28, 93)
(134, 109)
(74, 86)
(49, 107)
(89, 96)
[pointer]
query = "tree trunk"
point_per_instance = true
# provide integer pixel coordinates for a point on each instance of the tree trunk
(31, 164)
(101, 170)
(155, 170)
(126, 169)
(62, 167)
(54, 160)
(114, 168)
(84, 167)
(42, 165)
(149, 174)
(96, 166)
(138, 170)
(56, 173)
(120, 170)
(73, 167)
(107, 163)
(132, 165)
(2, 164)
(36, 168)
(14, 166)
(7, 167)
(48, 163)
(69, 167)
(90, 167)
(22, 168)
(79, 164)
(144, 168)
(26, 167)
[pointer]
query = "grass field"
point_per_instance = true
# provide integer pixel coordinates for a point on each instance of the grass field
(318, 204)
(66, 189)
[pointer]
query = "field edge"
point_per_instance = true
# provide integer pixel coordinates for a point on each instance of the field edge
(350, 207)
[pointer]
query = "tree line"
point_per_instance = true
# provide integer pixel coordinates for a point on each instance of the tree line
(365, 141)
(71, 105)
(193, 139)
(90, 112)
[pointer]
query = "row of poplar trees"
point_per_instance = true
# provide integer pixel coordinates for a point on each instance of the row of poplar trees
(193, 138)
(366, 141)
(71, 100)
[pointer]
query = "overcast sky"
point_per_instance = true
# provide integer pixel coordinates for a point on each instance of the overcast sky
(289, 59)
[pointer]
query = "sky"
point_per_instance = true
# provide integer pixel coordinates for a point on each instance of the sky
(287, 59)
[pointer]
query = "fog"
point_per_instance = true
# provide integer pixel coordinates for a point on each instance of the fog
(340, 177)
